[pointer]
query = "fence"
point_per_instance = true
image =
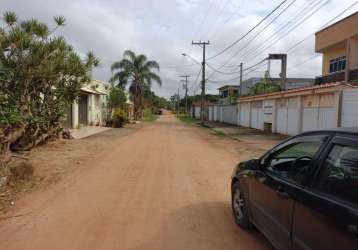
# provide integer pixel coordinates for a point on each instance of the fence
(291, 115)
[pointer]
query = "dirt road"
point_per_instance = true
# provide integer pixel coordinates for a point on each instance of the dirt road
(165, 186)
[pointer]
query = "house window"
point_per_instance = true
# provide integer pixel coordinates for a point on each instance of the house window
(337, 64)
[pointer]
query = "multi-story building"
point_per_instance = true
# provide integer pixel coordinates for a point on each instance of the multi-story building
(228, 94)
(338, 43)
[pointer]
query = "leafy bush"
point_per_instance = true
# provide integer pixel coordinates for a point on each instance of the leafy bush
(40, 74)
(118, 119)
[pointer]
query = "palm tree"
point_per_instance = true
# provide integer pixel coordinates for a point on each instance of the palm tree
(135, 70)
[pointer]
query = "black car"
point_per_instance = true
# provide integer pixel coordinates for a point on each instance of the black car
(303, 193)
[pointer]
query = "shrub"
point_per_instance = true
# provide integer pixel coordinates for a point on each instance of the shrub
(118, 119)
(40, 74)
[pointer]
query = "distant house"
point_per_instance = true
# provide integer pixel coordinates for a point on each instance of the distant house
(91, 107)
(228, 94)
(338, 43)
(291, 83)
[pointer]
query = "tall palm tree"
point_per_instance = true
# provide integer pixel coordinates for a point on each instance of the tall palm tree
(135, 70)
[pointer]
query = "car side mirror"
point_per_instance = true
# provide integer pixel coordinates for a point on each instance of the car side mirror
(254, 164)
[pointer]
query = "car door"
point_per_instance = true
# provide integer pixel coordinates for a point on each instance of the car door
(326, 214)
(273, 189)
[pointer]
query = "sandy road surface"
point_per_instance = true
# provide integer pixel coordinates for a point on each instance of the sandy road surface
(164, 187)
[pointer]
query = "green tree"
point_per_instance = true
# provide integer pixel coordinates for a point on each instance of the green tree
(135, 70)
(40, 75)
(265, 86)
(116, 98)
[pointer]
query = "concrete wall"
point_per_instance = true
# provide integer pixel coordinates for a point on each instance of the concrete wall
(292, 115)
(229, 114)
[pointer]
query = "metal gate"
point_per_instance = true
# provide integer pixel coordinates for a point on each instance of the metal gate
(83, 109)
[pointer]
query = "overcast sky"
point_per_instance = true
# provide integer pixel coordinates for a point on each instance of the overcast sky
(164, 29)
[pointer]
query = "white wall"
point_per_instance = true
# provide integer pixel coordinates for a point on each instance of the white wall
(350, 108)
(215, 118)
(244, 114)
(229, 114)
(257, 115)
(197, 112)
(319, 112)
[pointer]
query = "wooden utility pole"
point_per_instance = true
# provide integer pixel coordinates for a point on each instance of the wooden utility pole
(185, 86)
(240, 79)
(178, 101)
(203, 45)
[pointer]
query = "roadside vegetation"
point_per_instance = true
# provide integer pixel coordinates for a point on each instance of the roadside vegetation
(40, 76)
(136, 71)
(118, 108)
(149, 116)
(186, 119)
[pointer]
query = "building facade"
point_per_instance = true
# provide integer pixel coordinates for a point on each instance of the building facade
(91, 107)
(338, 44)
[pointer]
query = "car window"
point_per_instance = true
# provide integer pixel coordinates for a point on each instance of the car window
(292, 161)
(339, 175)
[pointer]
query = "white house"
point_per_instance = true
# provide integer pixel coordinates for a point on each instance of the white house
(90, 108)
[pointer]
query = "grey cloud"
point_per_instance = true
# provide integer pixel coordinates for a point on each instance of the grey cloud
(164, 29)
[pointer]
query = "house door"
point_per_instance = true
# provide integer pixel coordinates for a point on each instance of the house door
(83, 109)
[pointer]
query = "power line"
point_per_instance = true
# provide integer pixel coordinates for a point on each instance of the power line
(264, 28)
(283, 27)
(290, 30)
(251, 69)
(247, 33)
(253, 38)
(231, 73)
(331, 20)
(295, 67)
(218, 18)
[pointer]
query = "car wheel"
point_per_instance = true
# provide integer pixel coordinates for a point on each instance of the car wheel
(239, 207)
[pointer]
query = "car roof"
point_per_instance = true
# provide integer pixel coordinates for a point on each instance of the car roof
(341, 130)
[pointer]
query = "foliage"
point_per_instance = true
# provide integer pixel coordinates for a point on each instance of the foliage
(40, 75)
(186, 119)
(148, 116)
(265, 86)
(192, 99)
(135, 70)
(116, 98)
(118, 119)
(154, 101)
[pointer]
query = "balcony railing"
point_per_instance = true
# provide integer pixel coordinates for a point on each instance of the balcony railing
(333, 77)
(353, 75)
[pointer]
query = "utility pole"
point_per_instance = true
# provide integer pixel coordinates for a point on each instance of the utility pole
(203, 45)
(240, 79)
(178, 101)
(186, 92)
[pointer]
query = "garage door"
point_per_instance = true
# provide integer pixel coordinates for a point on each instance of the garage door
(318, 112)
(350, 108)
(257, 115)
(293, 116)
(245, 114)
(281, 116)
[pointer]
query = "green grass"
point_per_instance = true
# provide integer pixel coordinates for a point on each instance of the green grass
(186, 119)
(149, 117)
